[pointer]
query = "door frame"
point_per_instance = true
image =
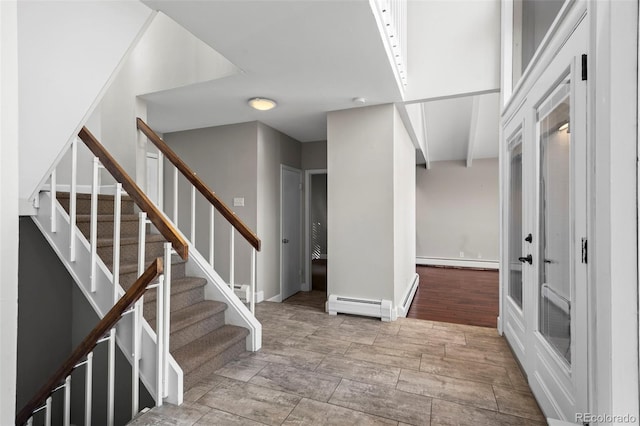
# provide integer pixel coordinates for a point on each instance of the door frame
(306, 285)
(284, 167)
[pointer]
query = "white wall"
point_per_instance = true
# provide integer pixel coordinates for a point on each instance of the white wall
(404, 209)
(458, 210)
(274, 149)
(9, 210)
(67, 51)
(613, 244)
(167, 57)
(360, 202)
(454, 47)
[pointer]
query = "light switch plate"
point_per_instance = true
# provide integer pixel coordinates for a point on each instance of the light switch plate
(238, 202)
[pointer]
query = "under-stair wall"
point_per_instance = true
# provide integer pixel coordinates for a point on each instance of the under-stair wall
(54, 316)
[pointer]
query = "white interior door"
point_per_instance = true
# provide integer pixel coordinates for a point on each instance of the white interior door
(290, 231)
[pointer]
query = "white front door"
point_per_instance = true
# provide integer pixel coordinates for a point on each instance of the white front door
(290, 224)
(545, 293)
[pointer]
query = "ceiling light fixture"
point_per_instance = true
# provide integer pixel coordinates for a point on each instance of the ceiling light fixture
(565, 126)
(262, 104)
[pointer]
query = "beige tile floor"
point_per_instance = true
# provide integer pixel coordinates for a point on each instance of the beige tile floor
(316, 369)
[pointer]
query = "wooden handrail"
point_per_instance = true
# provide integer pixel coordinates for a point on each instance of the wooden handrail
(195, 180)
(107, 323)
(139, 197)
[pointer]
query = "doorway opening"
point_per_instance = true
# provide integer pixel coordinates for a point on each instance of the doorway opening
(314, 287)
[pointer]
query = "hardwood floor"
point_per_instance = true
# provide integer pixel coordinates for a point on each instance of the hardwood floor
(462, 296)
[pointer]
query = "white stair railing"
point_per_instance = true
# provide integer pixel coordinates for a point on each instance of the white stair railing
(195, 187)
(162, 287)
(83, 356)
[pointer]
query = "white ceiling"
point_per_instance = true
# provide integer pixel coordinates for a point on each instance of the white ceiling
(310, 56)
(315, 56)
(449, 123)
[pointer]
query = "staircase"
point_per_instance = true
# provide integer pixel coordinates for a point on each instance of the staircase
(200, 341)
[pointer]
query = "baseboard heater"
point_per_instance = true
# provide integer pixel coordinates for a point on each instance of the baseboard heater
(243, 291)
(408, 297)
(382, 309)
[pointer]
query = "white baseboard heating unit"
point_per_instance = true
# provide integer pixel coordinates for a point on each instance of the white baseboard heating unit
(243, 291)
(382, 309)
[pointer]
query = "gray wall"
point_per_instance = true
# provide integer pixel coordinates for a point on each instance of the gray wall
(225, 158)
(274, 149)
(457, 210)
(44, 313)
(318, 215)
(240, 160)
(314, 155)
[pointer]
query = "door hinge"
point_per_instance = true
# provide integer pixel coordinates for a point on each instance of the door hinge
(584, 67)
(585, 250)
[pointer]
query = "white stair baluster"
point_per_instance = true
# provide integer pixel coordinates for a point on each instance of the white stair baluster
(67, 401)
(94, 221)
(167, 313)
(47, 413)
(175, 196)
(211, 235)
(253, 281)
(72, 199)
(160, 180)
(117, 210)
(53, 202)
(160, 341)
(193, 215)
(111, 377)
(232, 258)
(88, 389)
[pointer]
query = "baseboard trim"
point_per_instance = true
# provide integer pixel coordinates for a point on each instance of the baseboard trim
(259, 296)
(458, 263)
(276, 298)
(403, 309)
(357, 306)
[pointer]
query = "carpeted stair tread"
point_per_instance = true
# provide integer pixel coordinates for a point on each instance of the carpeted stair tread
(84, 218)
(126, 268)
(190, 315)
(208, 347)
(126, 240)
(86, 196)
(179, 286)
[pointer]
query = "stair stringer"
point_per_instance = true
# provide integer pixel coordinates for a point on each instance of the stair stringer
(102, 299)
(217, 289)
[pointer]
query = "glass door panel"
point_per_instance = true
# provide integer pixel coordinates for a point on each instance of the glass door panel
(515, 222)
(555, 226)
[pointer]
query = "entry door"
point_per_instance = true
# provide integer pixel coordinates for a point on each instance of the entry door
(545, 287)
(290, 213)
(559, 272)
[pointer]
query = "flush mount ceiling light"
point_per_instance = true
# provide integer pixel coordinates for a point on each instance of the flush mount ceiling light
(262, 104)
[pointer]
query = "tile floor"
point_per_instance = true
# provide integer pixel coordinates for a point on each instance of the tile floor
(316, 369)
